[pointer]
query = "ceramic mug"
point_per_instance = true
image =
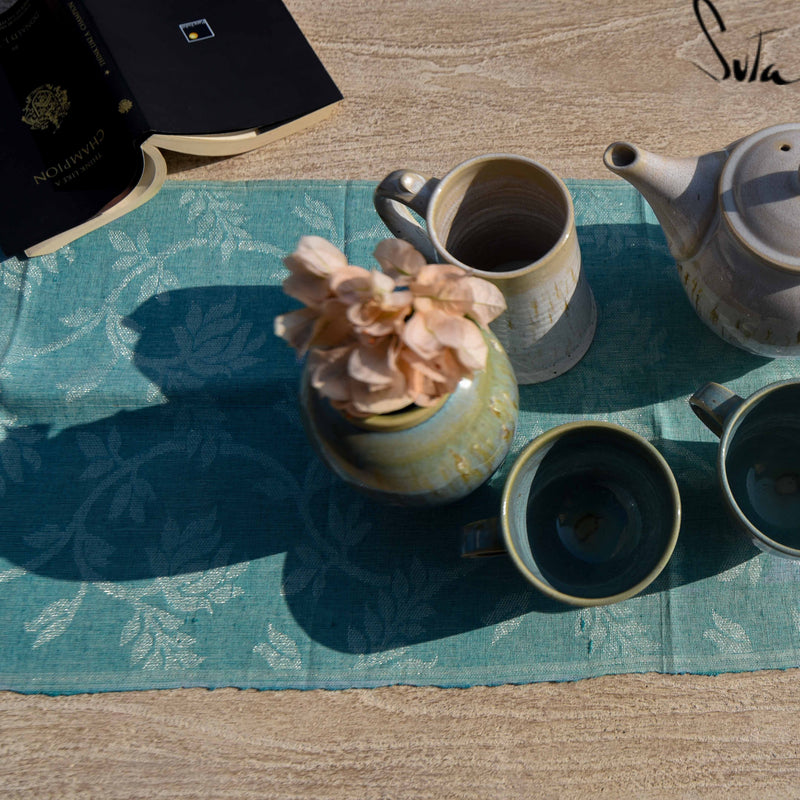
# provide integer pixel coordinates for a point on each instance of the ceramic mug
(758, 460)
(590, 514)
(511, 221)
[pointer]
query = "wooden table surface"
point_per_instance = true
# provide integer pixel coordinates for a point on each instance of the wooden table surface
(427, 85)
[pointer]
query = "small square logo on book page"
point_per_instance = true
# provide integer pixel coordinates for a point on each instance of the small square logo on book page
(196, 31)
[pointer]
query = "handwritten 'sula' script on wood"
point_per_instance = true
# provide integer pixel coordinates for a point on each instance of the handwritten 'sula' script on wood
(736, 69)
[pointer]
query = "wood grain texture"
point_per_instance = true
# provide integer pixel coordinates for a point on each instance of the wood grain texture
(427, 85)
(642, 736)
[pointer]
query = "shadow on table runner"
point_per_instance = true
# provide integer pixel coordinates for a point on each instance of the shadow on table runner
(195, 539)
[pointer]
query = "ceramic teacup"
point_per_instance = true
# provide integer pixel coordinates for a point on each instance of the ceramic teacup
(511, 221)
(590, 514)
(758, 460)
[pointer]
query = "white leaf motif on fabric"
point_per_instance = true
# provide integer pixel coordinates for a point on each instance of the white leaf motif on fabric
(280, 650)
(728, 636)
(55, 618)
(614, 631)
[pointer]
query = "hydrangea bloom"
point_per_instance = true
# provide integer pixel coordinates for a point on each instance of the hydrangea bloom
(380, 341)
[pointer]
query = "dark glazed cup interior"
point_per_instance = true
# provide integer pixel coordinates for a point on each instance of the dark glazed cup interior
(760, 456)
(591, 513)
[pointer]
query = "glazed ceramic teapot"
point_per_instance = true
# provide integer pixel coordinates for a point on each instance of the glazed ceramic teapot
(732, 222)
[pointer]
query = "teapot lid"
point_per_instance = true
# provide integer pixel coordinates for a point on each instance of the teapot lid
(760, 194)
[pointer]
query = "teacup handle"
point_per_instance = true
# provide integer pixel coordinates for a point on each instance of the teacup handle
(482, 538)
(396, 193)
(713, 405)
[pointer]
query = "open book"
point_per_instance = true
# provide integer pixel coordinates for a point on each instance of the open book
(90, 90)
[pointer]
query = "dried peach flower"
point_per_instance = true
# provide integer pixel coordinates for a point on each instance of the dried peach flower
(377, 341)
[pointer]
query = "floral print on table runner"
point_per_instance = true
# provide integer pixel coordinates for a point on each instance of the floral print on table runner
(165, 522)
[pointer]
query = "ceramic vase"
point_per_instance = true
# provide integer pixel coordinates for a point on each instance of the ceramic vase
(421, 456)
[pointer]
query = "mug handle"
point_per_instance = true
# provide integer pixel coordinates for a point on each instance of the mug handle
(713, 405)
(396, 193)
(482, 538)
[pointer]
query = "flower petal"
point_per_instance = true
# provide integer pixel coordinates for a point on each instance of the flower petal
(352, 284)
(419, 336)
(332, 328)
(308, 288)
(328, 373)
(367, 400)
(317, 256)
(462, 336)
(442, 286)
(429, 381)
(398, 258)
(297, 328)
(374, 365)
(487, 302)
(413, 362)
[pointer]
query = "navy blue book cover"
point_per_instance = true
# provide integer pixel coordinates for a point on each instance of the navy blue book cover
(84, 82)
(212, 66)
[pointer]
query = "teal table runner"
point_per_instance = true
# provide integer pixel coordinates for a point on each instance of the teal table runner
(164, 523)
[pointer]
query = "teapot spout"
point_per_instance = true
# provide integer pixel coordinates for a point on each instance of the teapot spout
(681, 191)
